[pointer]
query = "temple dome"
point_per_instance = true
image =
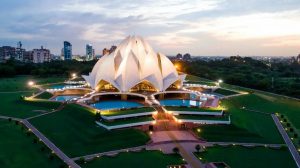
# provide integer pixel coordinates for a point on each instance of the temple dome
(134, 62)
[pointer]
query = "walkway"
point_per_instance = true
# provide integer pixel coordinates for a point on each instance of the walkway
(110, 153)
(50, 145)
(287, 140)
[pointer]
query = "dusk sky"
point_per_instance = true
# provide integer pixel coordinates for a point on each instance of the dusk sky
(204, 27)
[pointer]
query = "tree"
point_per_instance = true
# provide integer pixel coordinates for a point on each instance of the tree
(198, 148)
(98, 116)
(295, 135)
(176, 150)
(81, 160)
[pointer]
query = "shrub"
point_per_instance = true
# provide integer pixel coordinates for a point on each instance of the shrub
(9, 119)
(176, 150)
(291, 130)
(81, 160)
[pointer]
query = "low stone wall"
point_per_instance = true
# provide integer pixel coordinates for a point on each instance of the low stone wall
(124, 125)
(197, 113)
(127, 115)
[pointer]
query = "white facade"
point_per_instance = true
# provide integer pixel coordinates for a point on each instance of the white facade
(41, 55)
(133, 62)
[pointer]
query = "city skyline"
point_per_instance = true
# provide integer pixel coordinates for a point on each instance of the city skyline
(215, 27)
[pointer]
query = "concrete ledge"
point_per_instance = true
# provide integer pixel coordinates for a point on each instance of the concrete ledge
(123, 125)
(127, 115)
(206, 121)
(197, 113)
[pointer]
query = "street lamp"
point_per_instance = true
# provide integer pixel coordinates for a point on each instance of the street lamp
(220, 81)
(30, 83)
(74, 75)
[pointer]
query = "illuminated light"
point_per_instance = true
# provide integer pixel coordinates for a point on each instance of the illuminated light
(29, 129)
(30, 83)
(299, 150)
(150, 132)
(153, 122)
(233, 144)
(198, 130)
(200, 158)
(98, 156)
(220, 81)
(74, 75)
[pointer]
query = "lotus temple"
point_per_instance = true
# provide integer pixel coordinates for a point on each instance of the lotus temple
(134, 86)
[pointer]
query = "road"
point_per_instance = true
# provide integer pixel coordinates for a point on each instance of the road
(50, 145)
(287, 140)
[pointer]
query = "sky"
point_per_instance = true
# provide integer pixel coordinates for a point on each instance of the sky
(198, 27)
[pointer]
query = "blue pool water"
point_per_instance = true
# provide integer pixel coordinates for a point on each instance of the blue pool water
(106, 105)
(60, 86)
(65, 97)
(179, 102)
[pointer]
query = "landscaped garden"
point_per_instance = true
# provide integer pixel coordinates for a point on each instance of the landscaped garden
(14, 106)
(145, 159)
(20, 149)
(131, 120)
(248, 157)
(73, 129)
(44, 95)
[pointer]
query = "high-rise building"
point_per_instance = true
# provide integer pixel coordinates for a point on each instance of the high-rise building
(67, 50)
(28, 56)
(19, 52)
(179, 56)
(6, 53)
(41, 55)
(90, 53)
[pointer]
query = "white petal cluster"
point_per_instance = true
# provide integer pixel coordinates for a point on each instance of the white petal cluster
(133, 62)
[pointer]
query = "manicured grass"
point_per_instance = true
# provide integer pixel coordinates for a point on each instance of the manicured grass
(145, 159)
(44, 95)
(196, 109)
(258, 127)
(20, 83)
(127, 111)
(202, 117)
(225, 92)
(258, 157)
(13, 106)
(270, 104)
(74, 130)
(17, 150)
(127, 121)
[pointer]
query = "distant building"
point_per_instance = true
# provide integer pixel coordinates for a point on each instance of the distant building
(179, 56)
(19, 52)
(298, 59)
(41, 55)
(28, 56)
(67, 50)
(6, 53)
(90, 52)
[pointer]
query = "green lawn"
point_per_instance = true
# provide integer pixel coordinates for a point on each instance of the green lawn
(17, 150)
(196, 109)
(44, 95)
(202, 117)
(242, 157)
(13, 106)
(145, 159)
(247, 126)
(74, 130)
(20, 83)
(270, 104)
(127, 111)
(225, 92)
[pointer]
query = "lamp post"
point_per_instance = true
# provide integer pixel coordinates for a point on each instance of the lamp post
(219, 82)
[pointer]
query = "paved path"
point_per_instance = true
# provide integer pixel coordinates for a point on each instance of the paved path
(13, 118)
(287, 140)
(50, 145)
(91, 156)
